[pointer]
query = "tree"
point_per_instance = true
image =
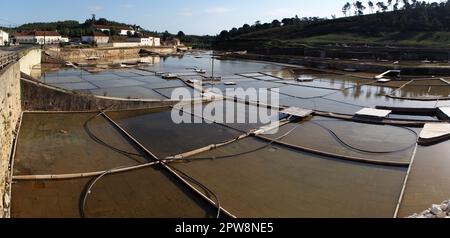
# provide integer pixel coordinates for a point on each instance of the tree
(224, 35)
(129, 33)
(246, 28)
(166, 35)
(297, 20)
(436, 25)
(234, 32)
(346, 9)
(382, 7)
(276, 23)
(395, 7)
(406, 4)
(113, 32)
(371, 6)
(389, 3)
(359, 8)
(181, 36)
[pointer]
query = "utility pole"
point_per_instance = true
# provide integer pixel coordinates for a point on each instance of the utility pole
(212, 61)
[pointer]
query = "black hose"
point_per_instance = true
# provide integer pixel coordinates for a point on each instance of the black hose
(206, 189)
(342, 142)
(245, 152)
(88, 188)
(103, 143)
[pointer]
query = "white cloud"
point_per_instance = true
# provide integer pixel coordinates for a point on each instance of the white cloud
(185, 12)
(217, 10)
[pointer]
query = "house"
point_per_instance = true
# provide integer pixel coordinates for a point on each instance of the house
(4, 38)
(156, 41)
(65, 39)
(146, 41)
(121, 30)
(97, 37)
(173, 42)
(38, 37)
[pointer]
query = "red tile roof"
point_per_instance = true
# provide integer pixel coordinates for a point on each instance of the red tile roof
(46, 33)
(37, 33)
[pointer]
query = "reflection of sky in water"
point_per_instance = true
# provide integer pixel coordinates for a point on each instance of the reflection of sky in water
(327, 92)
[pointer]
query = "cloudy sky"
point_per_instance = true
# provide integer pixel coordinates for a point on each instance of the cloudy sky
(190, 16)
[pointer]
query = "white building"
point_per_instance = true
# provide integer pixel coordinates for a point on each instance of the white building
(123, 31)
(146, 41)
(39, 37)
(4, 37)
(65, 39)
(156, 41)
(97, 37)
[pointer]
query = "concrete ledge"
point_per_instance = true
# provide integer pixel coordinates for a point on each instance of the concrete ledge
(37, 96)
(434, 133)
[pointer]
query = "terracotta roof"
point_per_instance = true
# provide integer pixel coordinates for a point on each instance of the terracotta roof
(21, 33)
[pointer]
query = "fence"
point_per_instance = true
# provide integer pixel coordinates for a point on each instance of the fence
(7, 58)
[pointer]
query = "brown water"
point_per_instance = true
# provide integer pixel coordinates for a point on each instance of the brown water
(428, 182)
(138, 194)
(359, 137)
(273, 181)
(62, 143)
(279, 182)
(328, 92)
(157, 132)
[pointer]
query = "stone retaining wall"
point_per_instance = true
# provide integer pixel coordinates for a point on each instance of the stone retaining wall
(10, 111)
(40, 97)
(80, 55)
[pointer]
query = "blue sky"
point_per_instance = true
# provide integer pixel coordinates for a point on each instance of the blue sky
(190, 16)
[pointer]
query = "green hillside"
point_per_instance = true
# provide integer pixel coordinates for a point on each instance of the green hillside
(416, 24)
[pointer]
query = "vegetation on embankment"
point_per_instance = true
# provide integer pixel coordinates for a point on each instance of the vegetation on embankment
(414, 24)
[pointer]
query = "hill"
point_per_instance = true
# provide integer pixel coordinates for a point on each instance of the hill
(417, 24)
(72, 28)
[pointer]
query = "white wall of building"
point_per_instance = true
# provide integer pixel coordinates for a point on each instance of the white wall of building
(125, 32)
(25, 39)
(156, 41)
(4, 36)
(98, 39)
(49, 40)
(126, 44)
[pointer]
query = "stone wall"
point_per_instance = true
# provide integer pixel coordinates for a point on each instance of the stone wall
(10, 110)
(81, 55)
(40, 97)
(28, 59)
